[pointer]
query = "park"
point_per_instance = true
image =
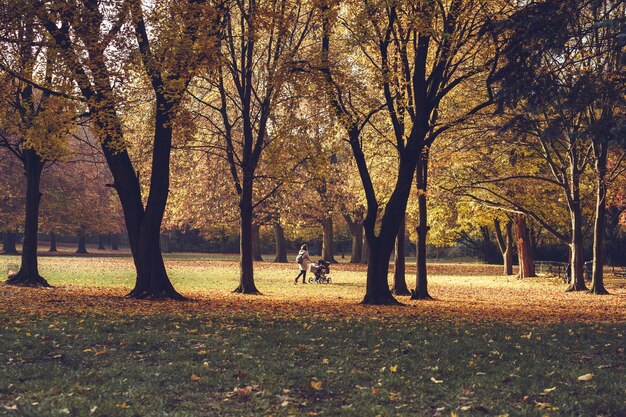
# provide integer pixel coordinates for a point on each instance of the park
(446, 177)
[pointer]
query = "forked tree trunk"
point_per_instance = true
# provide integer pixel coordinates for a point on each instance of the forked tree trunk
(328, 248)
(152, 280)
(280, 244)
(28, 274)
(9, 243)
(524, 254)
(53, 242)
(505, 243)
(399, 270)
(246, 277)
(82, 245)
(256, 243)
(599, 227)
(421, 279)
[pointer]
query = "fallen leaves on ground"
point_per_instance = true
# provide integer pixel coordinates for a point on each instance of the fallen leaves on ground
(458, 298)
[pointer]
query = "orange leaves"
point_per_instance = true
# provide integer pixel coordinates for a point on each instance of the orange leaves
(316, 384)
(195, 378)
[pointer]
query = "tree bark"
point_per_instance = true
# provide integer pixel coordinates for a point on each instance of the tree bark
(152, 280)
(365, 254)
(82, 245)
(399, 270)
(421, 279)
(28, 274)
(101, 242)
(256, 243)
(281, 244)
(377, 290)
(577, 279)
(525, 259)
(246, 276)
(328, 247)
(505, 243)
(53, 242)
(9, 243)
(356, 231)
(599, 227)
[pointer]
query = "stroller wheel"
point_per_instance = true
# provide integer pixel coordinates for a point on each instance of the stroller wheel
(328, 280)
(310, 280)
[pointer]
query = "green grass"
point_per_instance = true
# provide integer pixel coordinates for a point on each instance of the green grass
(49, 367)
(112, 363)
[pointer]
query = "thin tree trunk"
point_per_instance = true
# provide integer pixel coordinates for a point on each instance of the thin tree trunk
(28, 274)
(82, 245)
(101, 242)
(421, 279)
(365, 254)
(281, 244)
(577, 281)
(256, 243)
(9, 243)
(599, 227)
(505, 243)
(399, 270)
(246, 277)
(525, 259)
(357, 244)
(53, 242)
(328, 247)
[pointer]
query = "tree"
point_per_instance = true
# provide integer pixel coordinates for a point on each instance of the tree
(36, 125)
(563, 91)
(395, 40)
(92, 45)
(263, 39)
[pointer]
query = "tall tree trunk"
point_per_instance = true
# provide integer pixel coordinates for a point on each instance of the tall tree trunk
(524, 254)
(9, 243)
(599, 226)
(152, 280)
(505, 243)
(328, 247)
(280, 244)
(365, 254)
(246, 277)
(421, 279)
(53, 242)
(577, 280)
(399, 270)
(82, 245)
(114, 241)
(28, 274)
(101, 242)
(256, 243)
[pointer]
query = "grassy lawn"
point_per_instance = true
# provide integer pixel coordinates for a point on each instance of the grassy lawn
(488, 345)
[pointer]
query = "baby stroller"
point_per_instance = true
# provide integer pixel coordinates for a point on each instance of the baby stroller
(320, 269)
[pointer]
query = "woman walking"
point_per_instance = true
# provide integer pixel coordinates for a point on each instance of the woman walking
(303, 260)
